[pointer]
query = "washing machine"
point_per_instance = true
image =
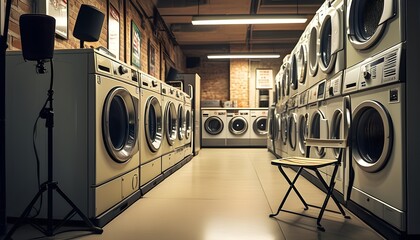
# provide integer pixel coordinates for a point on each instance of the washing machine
(315, 73)
(271, 129)
(258, 134)
(239, 127)
(303, 123)
(318, 122)
(151, 128)
(95, 133)
(332, 38)
(188, 126)
(214, 127)
(373, 27)
(378, 136)
(170, 118)
(292, 126)
(335, 113)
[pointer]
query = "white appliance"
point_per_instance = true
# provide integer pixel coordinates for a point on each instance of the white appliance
(151, 128)
(214, 127)
(292, 126)
(318, 123)
(95, 146)
(378, 136)
(303, 123)
(380, 28)
(332, 38)
(239, 130)
(258, 136)
(170, 124)
(315, 73)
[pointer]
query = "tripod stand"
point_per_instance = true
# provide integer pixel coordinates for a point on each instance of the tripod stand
(50, 185)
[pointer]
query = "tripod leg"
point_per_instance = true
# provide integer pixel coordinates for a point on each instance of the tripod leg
(92, 227)
(25, 213)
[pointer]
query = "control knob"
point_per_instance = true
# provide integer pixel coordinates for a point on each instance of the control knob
(122, 70)
(366, 75)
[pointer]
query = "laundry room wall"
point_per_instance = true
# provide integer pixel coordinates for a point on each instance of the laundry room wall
(167, 53)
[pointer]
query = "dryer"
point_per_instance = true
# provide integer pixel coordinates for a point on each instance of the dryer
(151, 128)
(373, 27)
(292, 127)
(214, 127)
(239, 130)
(258, 134)
(95, 127)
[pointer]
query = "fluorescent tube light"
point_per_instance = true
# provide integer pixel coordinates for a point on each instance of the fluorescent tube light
(243, 55)
(247, 19)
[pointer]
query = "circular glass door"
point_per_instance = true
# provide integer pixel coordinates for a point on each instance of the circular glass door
(367, 21)
(120, 124)
(372, 136)
(302, 63)
(325, 45)
(260, 126)
(238, 125)
(292, 131)
(319, 130)
(188, 124)
(213, 125)
(313, 50)
(283, 126)
(335, 131)
(181, 122)
(303, 132)
(293, 73)
(171, 123)
(153, 123)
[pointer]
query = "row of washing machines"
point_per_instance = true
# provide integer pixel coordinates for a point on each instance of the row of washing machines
(234, 127)
(346, 77)
(117, 132)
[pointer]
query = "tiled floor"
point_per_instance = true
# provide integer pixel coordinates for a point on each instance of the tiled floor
(224, 194)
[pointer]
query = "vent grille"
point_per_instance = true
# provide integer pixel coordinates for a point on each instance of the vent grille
(390, 66)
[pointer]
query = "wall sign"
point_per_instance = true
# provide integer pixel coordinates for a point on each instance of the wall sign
(59, 10)
(135, 45)
(114, 31)
(152, 59)
(264, 78)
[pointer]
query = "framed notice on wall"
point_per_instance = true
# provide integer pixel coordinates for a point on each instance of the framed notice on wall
(135, 45)
(264, 78)
(59, 10)
(152, 59)
(114, 31)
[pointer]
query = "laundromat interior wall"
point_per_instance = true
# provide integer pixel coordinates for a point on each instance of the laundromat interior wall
(226, 80)
(168, 53)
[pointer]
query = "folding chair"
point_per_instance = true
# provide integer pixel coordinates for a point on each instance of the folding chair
(313, 164)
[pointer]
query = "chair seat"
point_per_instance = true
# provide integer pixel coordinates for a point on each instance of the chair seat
(303, 162)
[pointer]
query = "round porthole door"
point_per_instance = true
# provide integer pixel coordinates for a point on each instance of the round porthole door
(153, 123)
(366, 21)
(302, 132)
(336, 129)
(188, 124)
(120, 124)
(171, 123)
(181, 122)
(319, 129)
(238, 125)
(260, 126)
(302, 63)
(213, 125)
(372, 136)
(292, 131)
(313, 49)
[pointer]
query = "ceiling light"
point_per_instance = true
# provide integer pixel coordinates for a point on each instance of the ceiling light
(243, 55)
(247, 19)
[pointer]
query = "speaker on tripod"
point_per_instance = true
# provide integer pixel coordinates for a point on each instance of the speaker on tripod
(88, 24)
(37, 36)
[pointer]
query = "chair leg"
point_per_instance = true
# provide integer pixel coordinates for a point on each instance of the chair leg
(291, 186)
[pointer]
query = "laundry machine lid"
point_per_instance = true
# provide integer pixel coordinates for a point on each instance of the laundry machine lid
(120, 124)
(238, 125)
(213, 125)
(372, 136)
(153, 123)
(171, 123)
(366, 21)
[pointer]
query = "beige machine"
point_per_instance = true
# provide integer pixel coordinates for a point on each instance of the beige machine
(189, 134)
(214, 127)
(303, 123)
(239, 127)
(95, 127)
(292, 126)
(259, 121)
(170, 124)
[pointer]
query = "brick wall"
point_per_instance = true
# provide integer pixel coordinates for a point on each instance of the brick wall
(128, 10)
(239, 82)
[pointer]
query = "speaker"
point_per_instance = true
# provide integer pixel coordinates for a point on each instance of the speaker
(171, 74)
(192, 62)
(37, 32)
(88, 24)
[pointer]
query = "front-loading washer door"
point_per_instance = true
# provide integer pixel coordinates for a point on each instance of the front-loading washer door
(213, 125)
(188, 124)
(260, 126)
(331, 40)
(302, 63)
(366, 21)
(319, 129)
(283, 126)
(293, 72)
(302, 132)
(372, 136)
(120, 124)
(336, 129)
(153, 123)
(292, 131)
(171, 123)
(238, 125)
(313, 49)
(181, 122)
